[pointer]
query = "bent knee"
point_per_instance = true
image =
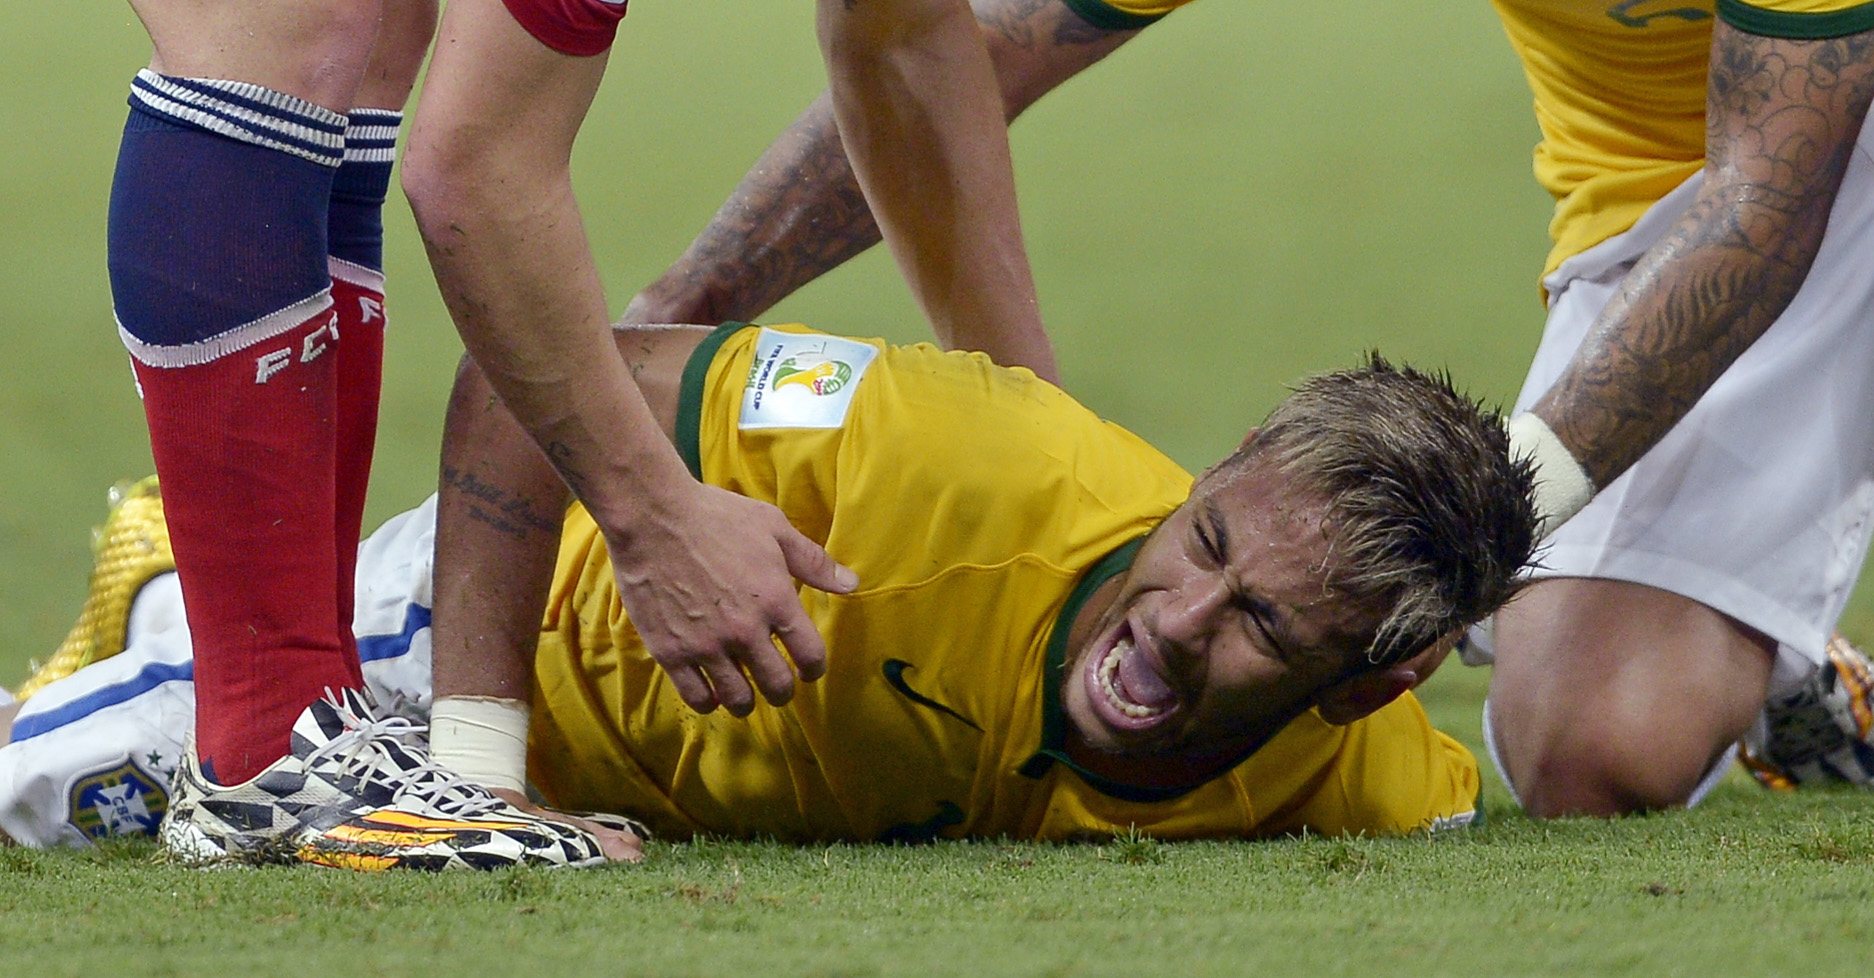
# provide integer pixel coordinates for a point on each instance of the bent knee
(1607, 765)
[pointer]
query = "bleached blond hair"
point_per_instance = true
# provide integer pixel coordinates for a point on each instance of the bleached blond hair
(1428, 516)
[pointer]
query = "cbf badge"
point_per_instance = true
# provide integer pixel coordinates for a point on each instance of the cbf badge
(802, 380)
(121, 801)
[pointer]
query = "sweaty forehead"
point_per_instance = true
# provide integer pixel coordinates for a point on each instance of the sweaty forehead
(1269, 521)
(1280, 548)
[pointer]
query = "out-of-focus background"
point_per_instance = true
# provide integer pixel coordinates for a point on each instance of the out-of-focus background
(1246, 193)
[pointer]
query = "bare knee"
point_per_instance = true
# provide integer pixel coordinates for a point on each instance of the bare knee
(313, 49)
(1603, 766)
(461, 178)
(437, 181)
(1609, 698)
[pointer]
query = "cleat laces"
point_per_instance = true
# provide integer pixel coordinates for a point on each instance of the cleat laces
(380, 752)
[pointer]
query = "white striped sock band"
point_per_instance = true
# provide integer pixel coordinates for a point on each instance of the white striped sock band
(223, 344)
(247, 112)
(372, 136)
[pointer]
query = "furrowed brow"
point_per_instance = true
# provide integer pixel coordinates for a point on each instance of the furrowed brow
(1269, 617)
(1219, 529)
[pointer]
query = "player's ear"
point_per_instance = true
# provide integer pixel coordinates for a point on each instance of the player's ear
(1351, 699)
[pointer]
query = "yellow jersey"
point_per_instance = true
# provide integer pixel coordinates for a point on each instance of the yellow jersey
(1619, 91)
(979, 507)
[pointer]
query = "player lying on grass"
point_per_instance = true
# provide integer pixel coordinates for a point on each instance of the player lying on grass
(1059, 633)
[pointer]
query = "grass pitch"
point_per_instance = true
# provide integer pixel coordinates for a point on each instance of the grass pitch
(1746, 886)
(1247, 193)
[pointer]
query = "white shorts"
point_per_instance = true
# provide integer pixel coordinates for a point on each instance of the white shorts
(1758, 503)
(92, 755)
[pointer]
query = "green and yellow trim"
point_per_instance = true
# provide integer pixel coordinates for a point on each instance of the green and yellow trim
(1793, 26)
(1107, 17)
(689, 424)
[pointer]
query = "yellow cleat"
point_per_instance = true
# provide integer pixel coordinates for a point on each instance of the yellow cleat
(130, 548)
(1822, 733)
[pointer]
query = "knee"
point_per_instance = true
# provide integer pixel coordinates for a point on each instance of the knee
(1604, 765)
(459, 175)
(327, 45)
(434, 178)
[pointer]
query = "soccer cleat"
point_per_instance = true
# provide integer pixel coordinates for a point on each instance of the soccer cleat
(1820, 733)
(360, 792)
(130, 548)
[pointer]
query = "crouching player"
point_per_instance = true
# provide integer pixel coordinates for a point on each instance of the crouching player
(1057, 633)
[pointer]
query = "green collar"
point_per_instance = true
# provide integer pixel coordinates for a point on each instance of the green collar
(1054, 720)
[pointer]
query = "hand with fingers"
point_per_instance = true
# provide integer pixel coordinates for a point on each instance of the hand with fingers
(619, 845)
(710, 588)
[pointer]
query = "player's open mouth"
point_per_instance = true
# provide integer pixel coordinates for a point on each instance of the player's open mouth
(1125, 688)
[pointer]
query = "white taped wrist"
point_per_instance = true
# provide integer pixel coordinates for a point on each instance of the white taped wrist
(482, 738)
(1562, 485)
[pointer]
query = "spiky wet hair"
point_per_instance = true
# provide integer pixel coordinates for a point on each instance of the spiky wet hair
(1428, 518)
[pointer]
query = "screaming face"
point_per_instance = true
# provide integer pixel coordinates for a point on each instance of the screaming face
(1225, 627)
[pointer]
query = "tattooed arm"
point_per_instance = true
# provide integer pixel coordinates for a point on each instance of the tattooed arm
(498, 515)
(799, 212)
(498, 522)
(1782, 117)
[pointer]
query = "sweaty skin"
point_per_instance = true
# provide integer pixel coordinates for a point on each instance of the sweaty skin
(1226, 627)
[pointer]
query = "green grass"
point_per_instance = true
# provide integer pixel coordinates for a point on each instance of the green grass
(1749, 884)
(1745, 886)
(1248, 193)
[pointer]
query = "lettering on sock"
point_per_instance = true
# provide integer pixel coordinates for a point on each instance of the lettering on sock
(314, 346)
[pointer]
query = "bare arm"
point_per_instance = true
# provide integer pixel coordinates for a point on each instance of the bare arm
(799, 212)
(922, 122)
(499, 515)
(1781, 121)
(707, 576)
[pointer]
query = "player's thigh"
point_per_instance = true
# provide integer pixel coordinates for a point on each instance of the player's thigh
(1620, 686)
(312, 49)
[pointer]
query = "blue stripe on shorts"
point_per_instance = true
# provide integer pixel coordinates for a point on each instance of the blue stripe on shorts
(371, 648)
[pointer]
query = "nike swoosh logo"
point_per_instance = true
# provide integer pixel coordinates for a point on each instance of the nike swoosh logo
(925, 832)
(894, 674)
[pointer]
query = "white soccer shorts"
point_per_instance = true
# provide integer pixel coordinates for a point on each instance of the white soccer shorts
(1760, 503)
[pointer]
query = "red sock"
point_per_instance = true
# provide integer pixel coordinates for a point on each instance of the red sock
(358, 294)
(244, 450)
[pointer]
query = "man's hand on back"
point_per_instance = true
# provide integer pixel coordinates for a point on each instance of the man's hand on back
(703, 584)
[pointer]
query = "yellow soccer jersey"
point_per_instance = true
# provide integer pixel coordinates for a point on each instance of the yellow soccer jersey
(979, 506)
(1620, 95)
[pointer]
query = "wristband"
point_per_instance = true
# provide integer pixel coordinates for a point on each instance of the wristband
(1562, 485)
(481, 738)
